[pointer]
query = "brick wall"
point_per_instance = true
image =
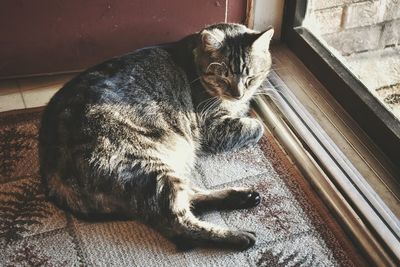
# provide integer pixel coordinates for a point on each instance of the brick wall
(352, 26)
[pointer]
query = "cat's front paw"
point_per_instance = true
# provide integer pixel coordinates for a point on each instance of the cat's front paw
(251, 199)
(243, 199)
(255, 130)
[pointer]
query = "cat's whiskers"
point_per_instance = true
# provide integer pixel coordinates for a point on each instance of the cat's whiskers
(206, 106)
(205, 102)
(267, 91)
(214, 104)
(195, 80)
(209, 110)
(209, 107)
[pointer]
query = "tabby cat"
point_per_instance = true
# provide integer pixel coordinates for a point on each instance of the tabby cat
(121, 138)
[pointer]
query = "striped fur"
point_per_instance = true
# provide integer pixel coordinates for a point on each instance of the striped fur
(121, 138)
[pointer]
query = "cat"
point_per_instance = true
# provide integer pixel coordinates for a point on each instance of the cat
(121, 138)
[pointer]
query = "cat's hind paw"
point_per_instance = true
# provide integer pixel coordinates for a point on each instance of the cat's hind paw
(243, 239)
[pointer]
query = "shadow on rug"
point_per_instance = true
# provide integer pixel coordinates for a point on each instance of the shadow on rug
(293, 228)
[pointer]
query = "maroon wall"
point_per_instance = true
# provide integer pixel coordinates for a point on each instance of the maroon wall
(46, 36)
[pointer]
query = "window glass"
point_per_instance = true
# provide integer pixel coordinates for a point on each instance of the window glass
(365, 36)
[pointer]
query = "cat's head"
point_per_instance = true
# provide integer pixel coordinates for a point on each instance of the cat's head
(233, 60)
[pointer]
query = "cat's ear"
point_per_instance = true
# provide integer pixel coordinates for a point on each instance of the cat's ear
(261, 44)
(212, 39)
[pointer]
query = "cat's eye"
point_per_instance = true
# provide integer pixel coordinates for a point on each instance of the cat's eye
(224, 80)
(250, 80)
(221, 75)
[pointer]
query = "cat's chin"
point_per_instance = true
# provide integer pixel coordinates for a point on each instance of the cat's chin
(232, 99)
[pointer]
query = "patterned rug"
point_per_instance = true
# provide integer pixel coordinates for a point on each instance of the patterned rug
(293, 228)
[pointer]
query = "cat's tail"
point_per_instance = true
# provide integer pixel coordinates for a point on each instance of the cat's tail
(53, 186)
(88, 208)
(64, 196)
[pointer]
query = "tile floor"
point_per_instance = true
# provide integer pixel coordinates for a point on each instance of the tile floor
(30, 92)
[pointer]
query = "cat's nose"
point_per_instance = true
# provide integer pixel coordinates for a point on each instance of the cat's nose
(237, 92)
